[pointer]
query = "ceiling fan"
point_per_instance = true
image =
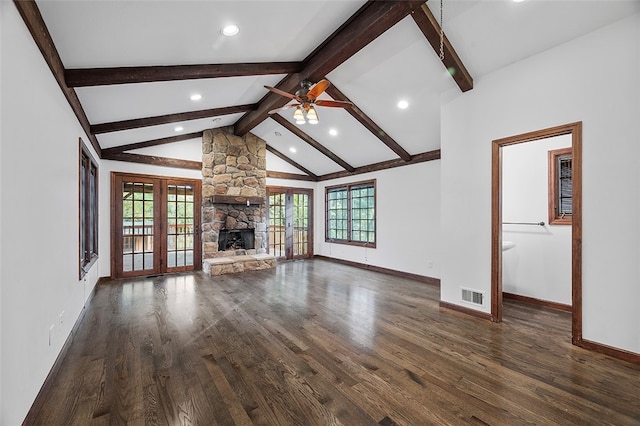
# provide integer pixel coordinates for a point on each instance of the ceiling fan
(307, 97)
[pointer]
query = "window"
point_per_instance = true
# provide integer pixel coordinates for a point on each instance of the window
(88, 194)
(560, 187)
(351, 214)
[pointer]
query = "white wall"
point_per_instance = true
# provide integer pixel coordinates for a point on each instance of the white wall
(190, 149)
(39, 196)
(1, 239)
(591, 79)
(539, 265)
(289, 183)
(408, 209)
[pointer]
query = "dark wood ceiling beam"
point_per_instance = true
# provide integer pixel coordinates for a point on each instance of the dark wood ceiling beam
(308, 139)
(430, 27)
(366, 25)
(384, 165)
(369, 22)
(154, 142)
(154, 160)
(280, 155)
(82, 77)
(367, 122)
(32, 18)
(291, 176)
(169, 118)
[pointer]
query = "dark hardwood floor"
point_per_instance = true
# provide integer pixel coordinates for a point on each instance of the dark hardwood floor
(319, 343)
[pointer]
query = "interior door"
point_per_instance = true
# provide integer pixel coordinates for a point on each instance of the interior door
(290, 222)
(155, 225)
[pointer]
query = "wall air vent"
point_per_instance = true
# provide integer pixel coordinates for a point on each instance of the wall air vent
(474, 297)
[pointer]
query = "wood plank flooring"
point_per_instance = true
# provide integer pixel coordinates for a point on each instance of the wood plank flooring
(319, 343)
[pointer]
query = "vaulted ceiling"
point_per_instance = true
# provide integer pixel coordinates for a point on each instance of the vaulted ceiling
(129, 69)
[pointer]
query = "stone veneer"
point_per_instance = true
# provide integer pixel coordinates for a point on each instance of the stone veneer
(234, 171)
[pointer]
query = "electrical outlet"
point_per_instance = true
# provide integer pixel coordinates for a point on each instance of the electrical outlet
(53, 326)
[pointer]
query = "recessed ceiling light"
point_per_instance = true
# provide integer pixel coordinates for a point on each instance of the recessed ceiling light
(403, 104)
(292, 149)
(178, 128)
(230, 30)
(333, 132)
(196, 97)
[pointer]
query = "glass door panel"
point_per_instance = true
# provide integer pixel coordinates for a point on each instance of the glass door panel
(137, 226)
(180, 226)
(300, 224)
(277, 224)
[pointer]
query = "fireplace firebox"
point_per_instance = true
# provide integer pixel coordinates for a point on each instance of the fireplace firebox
(236, 239)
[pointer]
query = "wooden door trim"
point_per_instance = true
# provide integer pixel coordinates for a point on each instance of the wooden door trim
(159, 208)
(575, 130)
(116, 222)
(197, 222)
(271, 190)
(309, 193)
(288, 224)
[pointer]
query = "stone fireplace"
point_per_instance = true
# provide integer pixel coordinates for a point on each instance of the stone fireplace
(234, 202)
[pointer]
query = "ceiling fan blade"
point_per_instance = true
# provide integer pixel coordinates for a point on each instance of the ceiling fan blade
(273, 111)
(334, 104)
(282, 93)
(316, 90)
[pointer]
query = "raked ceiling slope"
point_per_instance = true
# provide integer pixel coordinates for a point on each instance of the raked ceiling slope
(281, 38)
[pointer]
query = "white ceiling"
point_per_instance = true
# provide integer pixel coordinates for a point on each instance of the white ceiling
(400, 64)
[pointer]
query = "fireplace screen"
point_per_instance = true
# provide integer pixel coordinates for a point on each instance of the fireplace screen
(236, 239)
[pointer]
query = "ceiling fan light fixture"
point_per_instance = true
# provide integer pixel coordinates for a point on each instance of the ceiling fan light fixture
(312, 115)
(298, 116)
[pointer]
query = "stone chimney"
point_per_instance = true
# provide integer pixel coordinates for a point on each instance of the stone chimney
(233, 189)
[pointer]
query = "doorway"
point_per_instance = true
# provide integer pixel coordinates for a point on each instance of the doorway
(290, 222)
(575, 130)
(155, 225)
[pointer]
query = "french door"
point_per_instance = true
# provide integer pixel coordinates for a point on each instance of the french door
(290, 222)
(155, 225)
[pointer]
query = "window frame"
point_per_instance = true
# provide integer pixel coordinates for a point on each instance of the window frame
(88, 185)
(554, 177)
(349, 229)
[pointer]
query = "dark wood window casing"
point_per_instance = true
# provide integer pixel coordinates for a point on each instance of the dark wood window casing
(350, 214)
(560, 187)
(88, 210)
